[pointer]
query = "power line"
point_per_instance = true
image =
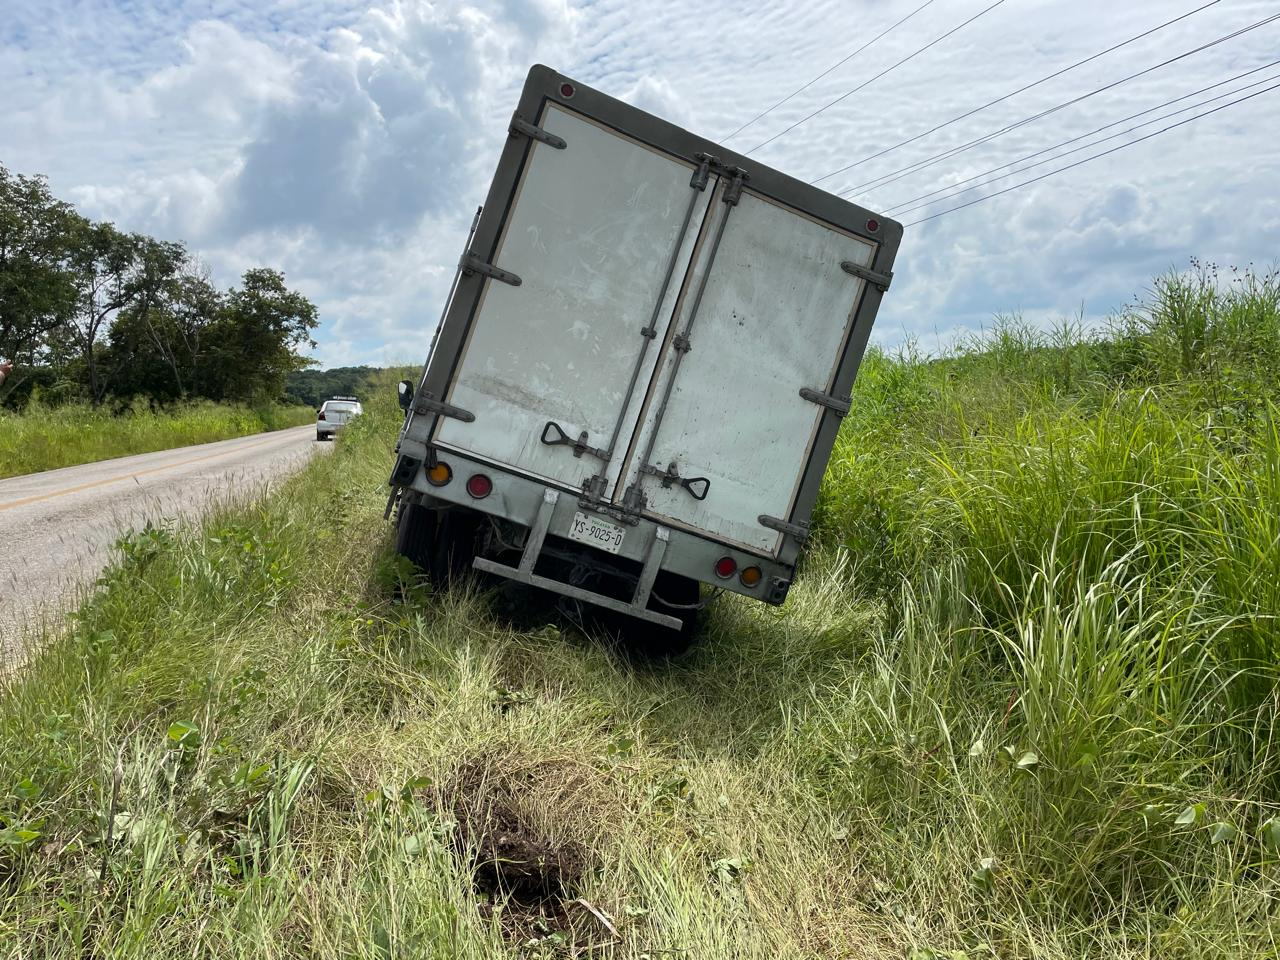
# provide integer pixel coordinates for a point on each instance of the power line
(948, 188)
(800, 90)
(885, 179)
(1014, 93)
(1083, 160)
(886, 70)
(952, 193)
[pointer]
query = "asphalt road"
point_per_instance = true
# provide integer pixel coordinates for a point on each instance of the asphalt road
(57, 528)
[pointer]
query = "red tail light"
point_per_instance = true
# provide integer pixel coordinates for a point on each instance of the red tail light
(726, 567)
(321, 417)
(479, 486)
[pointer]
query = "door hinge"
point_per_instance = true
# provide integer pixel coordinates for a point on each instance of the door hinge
(840, 405)
(703, 171)
(737, 179)
(426, 403)
(519, 125)
(878, 280)
(473, 264)
(798, 530)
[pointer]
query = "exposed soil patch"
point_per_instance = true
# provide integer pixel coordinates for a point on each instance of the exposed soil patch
(515, 832)
(513, 858)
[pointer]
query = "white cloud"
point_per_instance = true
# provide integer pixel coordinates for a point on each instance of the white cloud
(350, 144)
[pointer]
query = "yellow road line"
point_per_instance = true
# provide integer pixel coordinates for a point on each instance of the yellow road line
(126, 476)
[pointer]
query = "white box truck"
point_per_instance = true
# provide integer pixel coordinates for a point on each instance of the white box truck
(641, 369)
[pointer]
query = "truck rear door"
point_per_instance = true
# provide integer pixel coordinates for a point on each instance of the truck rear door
(599, 233)
(765, 311)
(661, 329)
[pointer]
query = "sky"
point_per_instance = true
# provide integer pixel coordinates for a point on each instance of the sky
(350, 144)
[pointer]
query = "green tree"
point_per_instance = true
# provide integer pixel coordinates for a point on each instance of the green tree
(37, 288)
(196, 305)
(89, 310)
(252, 347)
(105, 263)
(313, 387)
(157, 345)
(157, 288)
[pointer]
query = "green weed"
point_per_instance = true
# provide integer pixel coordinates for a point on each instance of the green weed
(1021, 703)
(45, 438)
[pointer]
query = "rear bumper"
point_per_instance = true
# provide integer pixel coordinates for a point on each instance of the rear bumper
(639, 603)
(529, 503)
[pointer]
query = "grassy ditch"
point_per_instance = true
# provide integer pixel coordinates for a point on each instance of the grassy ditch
(1021, 703)
(45, 438)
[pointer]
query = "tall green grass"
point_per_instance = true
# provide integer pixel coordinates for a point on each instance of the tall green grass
(1046, 458)
(1021, 703)
(45, 438)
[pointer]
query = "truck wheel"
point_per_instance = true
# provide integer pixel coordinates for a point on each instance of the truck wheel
(415, 532)
(455, 546)
(441, 542)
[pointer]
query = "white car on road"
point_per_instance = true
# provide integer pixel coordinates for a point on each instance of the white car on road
(336, 413)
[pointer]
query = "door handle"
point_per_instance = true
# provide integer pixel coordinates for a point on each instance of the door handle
(697, 487)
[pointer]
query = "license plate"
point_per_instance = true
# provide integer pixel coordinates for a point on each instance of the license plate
(600, 533)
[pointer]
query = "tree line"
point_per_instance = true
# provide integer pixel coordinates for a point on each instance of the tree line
(314, 387)
(92, 313)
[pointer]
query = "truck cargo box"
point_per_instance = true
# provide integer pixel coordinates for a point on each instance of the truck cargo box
(652, 334)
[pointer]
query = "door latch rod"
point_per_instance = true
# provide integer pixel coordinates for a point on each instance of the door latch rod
(671, 477)
(553, 435)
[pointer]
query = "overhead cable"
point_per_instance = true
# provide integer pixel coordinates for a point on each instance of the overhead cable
(886, 70)
(907, 206)
(885, 179)
(835, 66)
(1083, 160)
(1014, 93)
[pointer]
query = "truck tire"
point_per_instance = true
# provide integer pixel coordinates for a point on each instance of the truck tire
(455, 546)
(441, 542)
(415, 531)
